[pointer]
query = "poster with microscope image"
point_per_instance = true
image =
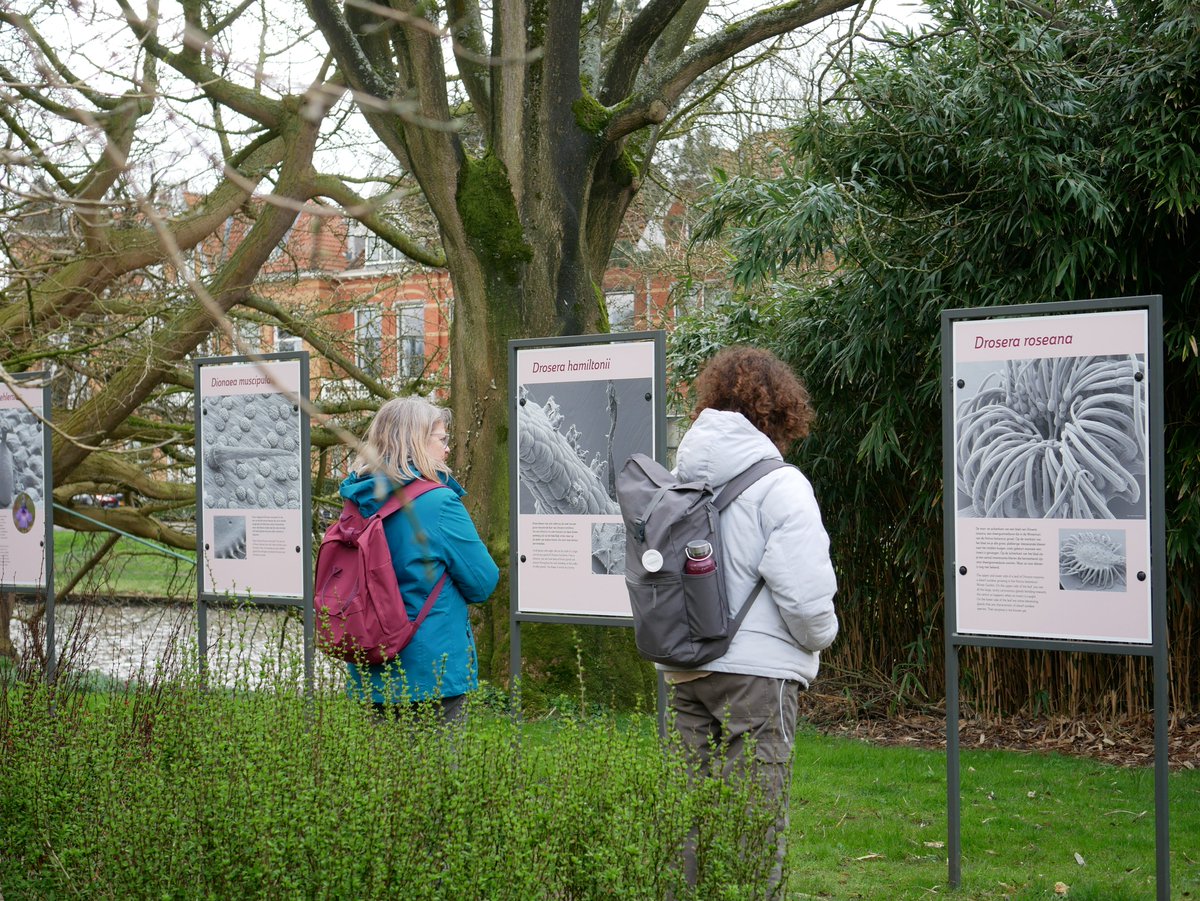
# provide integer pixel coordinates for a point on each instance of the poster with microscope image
(250, 461)
(1051, 448)
(581, 411)
(23, 500)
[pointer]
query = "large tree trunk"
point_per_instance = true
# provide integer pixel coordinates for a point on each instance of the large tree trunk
(530, 203)
(525, 271)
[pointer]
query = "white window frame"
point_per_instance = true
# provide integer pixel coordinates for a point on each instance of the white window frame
(286, 342)
(620, 306)
(374, 250)
(410, 339)
(249, 333)
(368, 339)
(281, 249)
(356, 243)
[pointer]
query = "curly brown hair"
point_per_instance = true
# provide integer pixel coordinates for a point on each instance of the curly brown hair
(760, 386)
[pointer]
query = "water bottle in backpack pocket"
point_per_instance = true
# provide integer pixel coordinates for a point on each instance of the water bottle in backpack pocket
(706, 610)
(680, 611)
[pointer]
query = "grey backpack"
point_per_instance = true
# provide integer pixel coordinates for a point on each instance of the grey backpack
(679, 618)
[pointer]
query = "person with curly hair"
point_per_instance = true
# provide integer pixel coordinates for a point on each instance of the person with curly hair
(737, 713)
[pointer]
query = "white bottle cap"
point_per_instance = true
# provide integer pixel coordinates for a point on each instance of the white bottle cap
(652, 561)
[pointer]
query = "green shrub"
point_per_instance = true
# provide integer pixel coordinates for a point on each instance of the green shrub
(162, 789)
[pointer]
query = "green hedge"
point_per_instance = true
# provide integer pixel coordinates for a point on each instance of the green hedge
(163, 790)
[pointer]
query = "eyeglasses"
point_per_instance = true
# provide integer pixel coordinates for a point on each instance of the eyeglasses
(443, 438)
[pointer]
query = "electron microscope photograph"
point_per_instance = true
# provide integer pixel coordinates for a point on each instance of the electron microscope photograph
(1091, 560)
(573, 438)
(1052, 438)
(229, 537)
(22, 465)
(251, 452)
(608, 548)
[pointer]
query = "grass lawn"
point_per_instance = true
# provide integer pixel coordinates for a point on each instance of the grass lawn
(128, 569)
(870, 822)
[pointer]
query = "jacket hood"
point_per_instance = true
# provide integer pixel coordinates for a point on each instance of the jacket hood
(369, 491)
(719, 445)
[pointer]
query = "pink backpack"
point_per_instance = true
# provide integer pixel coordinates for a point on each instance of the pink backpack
(360, 615)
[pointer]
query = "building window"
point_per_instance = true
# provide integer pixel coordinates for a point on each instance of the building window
(356, 243)
(620, 310)
(368, 249)
(250, 336)
(381, 253)
(282, 249)
(368, 340)
(716, 295)
(286, 342)
(411, 325)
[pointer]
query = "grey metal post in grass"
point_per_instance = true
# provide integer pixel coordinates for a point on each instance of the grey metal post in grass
(1101, 489)
(306, 538)
(1158, 591)
(201, 605)
(48, 541)
(953, 774)
(514, 662)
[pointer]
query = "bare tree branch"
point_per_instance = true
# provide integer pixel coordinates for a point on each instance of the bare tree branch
(628, 56)
(652, 102)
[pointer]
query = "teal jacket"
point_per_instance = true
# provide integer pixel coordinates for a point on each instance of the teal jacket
(440, 661)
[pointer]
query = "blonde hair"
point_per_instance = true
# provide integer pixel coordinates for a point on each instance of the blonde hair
(398, 441)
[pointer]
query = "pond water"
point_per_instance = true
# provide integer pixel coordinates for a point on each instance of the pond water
(248, 646)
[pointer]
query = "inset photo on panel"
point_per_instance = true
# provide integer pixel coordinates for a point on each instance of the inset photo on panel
(574, 437)
(608, 548)
(21, 463)
(24, 512)
(1092, 560)
(229, 537)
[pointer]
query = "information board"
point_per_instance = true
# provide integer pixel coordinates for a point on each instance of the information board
(25, 503)
(581, 407)
(252, 471)
(1051, 439)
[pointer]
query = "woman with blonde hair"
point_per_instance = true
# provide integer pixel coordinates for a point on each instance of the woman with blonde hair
(408, 440)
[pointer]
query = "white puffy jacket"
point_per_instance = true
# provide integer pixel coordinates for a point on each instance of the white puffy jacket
(774, 530)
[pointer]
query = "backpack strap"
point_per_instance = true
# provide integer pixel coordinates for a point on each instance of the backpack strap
(406, 495)
(745, 479)
(640, 522)
(728, 495)
(433, 596)
(736, 622)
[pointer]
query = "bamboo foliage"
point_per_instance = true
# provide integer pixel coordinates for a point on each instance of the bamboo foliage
(1040, 176)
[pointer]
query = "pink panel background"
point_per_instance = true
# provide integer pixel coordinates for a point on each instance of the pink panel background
(1047, 611)
(22, 556)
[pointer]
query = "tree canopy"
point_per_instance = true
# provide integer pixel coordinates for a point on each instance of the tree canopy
(511, 137)
(1009, 154)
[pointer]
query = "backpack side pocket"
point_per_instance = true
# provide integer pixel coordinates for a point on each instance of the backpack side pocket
(660, 622)
(706, 613)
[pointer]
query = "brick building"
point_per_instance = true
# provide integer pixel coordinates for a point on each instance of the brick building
(364, 301)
